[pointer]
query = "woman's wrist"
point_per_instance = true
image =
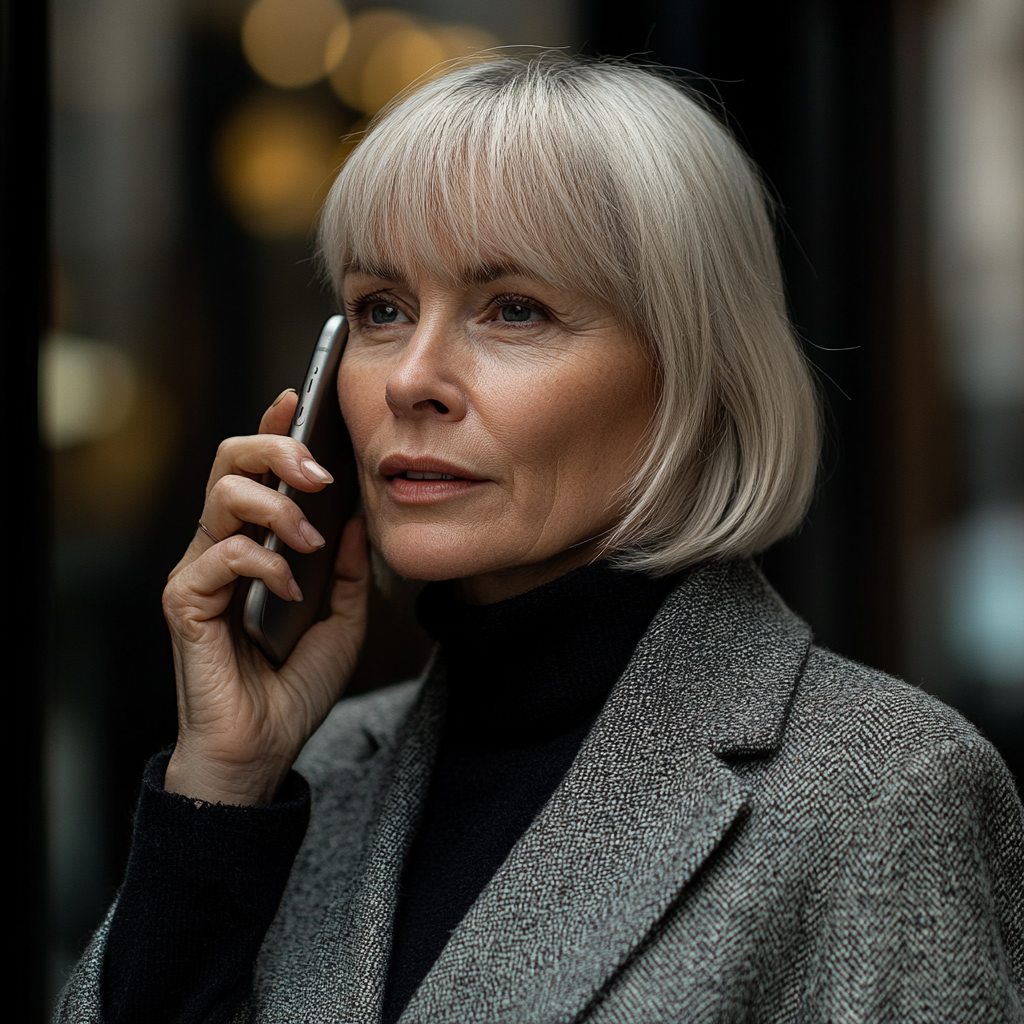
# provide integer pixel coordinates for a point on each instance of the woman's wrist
(248, 783)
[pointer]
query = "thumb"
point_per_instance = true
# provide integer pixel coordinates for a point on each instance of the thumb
(329, 650)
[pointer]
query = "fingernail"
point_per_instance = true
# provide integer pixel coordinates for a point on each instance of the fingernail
(316, 472)
(310, 534)
(293, 590)
(287, 391)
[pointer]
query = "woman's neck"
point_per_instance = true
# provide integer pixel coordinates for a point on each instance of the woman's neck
(526, 669)
(504, 584)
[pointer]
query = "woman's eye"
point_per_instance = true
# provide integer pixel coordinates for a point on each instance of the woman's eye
(516, 314)
(382, 313)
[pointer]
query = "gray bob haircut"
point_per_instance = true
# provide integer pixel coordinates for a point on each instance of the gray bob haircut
(611, 180)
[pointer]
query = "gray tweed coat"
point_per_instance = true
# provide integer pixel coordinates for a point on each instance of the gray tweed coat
(754, 830)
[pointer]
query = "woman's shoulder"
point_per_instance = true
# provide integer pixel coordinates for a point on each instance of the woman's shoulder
(873, 736)
(865, 708)
(726, 623)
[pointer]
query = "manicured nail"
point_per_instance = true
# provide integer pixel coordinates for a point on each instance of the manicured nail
(287, 391)
(293, 590)
(316, 472)
(310, 534)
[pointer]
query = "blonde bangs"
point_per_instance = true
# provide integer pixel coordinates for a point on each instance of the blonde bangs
(478, 182)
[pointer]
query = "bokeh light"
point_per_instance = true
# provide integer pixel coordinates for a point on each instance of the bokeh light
(87, 390)
(337, 45)
(462, 41)
(113, 481)
(275, 161)
(369, 28)
(276, 156)
(398, 60)
(292, 43)
(389, 50)
(348, 142)
(112, 428)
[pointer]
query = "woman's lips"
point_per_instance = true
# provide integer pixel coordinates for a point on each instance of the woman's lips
(425, 480)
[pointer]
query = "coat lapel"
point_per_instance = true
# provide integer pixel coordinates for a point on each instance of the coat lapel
(345, 976)
(644, 805)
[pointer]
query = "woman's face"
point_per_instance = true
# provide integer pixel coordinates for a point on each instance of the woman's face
(495, 422)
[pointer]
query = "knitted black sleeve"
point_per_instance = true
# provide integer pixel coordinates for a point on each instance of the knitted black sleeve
(203, 884)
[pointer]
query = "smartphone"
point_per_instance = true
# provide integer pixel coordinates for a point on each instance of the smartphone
(273, 624)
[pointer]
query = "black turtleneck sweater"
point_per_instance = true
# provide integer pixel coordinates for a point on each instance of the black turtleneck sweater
(525, 679)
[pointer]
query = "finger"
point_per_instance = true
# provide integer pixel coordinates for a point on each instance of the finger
(237, 500)
(206, 535)
(353, 561)
(278, 418)
(255, 454)
(203, 539)
(203, 588)
(329, 649)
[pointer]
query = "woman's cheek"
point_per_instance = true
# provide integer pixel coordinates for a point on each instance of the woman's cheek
(357, 395)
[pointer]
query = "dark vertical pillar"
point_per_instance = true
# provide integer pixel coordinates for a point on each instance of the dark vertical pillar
(213, 329)
(805, 86)
(216, 78)
(24, 133)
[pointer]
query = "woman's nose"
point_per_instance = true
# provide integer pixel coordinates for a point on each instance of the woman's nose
(425, 382)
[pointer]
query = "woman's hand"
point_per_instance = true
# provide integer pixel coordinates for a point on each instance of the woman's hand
(241, 722)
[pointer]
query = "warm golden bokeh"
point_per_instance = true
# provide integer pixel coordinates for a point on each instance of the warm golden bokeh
(87, 390)
(389, 50)
(113, 431)
(112, 482)
(398, 60)
(337, 45)
(348, 142)
(292, 43)
(369, 28)
(275, 161)
(462, 41)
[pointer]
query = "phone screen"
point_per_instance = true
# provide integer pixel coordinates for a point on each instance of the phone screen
(273, 624)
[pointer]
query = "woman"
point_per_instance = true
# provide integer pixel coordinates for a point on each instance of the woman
(628, 787)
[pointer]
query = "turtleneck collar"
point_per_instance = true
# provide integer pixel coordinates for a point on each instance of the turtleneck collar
(534, 667)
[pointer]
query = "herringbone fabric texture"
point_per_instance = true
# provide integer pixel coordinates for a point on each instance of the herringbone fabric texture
(755, 830)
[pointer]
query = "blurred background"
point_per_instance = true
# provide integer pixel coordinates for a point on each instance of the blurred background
(163, 163)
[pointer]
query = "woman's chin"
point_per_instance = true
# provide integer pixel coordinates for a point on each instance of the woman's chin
(488, 572)
(433, 553)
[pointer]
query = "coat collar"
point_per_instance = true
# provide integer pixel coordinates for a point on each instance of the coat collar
(645, 803)
(342, 978)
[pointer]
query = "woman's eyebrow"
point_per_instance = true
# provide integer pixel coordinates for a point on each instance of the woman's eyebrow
(481, 273)
(485, 273)
(385, 271)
